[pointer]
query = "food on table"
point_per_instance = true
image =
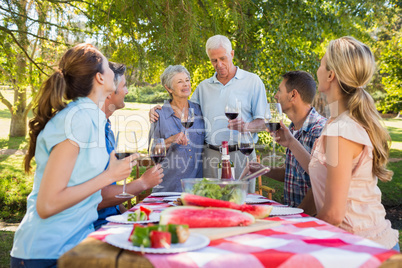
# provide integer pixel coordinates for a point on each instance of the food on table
(141, 214)
(178, 202)
(259, 212)
(199, 217)
(158, 236)
(140, 236)
(146, 210)
(160, 239)
(230, 192)
(180, 233)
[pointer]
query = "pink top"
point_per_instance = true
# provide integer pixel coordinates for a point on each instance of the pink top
(365, 215)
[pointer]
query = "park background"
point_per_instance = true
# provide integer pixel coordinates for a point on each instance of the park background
(269, 39)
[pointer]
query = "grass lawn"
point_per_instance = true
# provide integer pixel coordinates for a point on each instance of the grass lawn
(6, 243)
(15, 185)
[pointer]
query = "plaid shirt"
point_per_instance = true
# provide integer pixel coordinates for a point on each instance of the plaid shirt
(297, 181)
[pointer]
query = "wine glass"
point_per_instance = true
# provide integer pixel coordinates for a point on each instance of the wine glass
(273, 116)
(126, 145)
(246, 143)
(157, 152)
(187, 121)
(232, 110)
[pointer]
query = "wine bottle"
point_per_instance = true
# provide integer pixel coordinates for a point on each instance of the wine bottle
(226, 164)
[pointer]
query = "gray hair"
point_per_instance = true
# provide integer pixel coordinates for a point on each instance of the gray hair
(218, 41)
(169, 73)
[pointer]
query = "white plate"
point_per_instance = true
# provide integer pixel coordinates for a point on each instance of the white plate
(194, 242)
(154, 217)
(257, 200)
(254, 196)
(165, 193)
(280, 211)
(170, 198)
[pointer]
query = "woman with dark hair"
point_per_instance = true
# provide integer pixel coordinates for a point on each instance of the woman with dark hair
(68, 143)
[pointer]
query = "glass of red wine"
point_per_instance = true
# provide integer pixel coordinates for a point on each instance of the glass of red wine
(187, 121)
(273, 116)
(126, 145)
(157, 152)
(246, 144)
(232, 110)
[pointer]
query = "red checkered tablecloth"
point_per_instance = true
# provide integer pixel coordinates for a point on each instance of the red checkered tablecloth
(300, 241)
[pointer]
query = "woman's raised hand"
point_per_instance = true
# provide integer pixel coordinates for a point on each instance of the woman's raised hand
(121, 169)
(152, 177)
(179, 138)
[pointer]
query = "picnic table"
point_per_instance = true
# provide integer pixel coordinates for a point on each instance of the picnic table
(296, 240)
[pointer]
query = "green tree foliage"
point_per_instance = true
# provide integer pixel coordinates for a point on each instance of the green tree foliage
(32, 35)
(269, 37)
(147, 94)
(388, 50)
(391, 70)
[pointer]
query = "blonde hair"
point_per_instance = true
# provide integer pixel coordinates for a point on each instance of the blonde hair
(354, 65)
(73, 79)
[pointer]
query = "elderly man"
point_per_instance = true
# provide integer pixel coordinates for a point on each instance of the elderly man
(295, 94)
(111, 205)
(228, 84)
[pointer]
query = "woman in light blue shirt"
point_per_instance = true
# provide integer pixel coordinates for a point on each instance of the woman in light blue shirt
(184, 153)
(68, 142)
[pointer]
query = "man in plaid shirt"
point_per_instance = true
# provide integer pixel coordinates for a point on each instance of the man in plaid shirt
(295, 94)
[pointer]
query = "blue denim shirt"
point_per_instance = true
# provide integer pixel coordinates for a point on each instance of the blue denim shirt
(181, 161)
(109, 211)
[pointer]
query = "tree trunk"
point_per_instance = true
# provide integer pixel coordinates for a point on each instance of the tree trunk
(18, 126)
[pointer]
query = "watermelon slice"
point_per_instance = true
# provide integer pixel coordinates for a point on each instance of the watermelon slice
(259, 212)
(199, 217)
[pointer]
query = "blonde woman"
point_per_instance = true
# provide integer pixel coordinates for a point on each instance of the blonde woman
(352, 152)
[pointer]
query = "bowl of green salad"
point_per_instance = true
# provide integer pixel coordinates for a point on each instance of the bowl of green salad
(233, 191)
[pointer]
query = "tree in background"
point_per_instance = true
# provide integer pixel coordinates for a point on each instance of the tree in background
(32, 35)
(389, 47)
(269, 37)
